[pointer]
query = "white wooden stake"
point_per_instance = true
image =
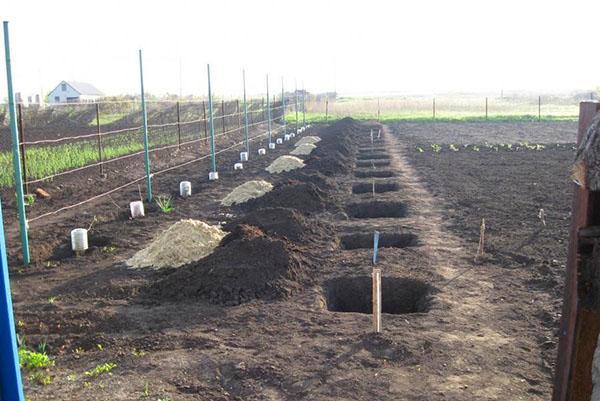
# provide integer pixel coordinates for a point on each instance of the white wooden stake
(377, 300)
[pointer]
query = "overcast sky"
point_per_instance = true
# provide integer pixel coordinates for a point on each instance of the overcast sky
(423, 46)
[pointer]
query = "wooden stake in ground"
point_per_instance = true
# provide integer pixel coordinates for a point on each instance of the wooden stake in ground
(481, 239)
(377, 300)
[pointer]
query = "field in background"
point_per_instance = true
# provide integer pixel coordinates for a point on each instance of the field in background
(446, 108)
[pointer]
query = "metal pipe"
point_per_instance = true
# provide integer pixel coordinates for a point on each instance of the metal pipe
(245, 113)
(15, 151)
(283, 105)
(145, 128)
(213, 160)
(268, 110)
(11, 386)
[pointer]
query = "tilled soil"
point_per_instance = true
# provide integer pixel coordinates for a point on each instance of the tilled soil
(281, 309)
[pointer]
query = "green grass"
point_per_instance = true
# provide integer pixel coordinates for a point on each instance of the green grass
(108, 118)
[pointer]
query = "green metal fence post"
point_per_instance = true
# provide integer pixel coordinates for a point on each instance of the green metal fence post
(16, 157)
(283, 106)
(213, 160)
(303, 106)
(245, 114)
(268, 111)
(296, 103)
(145, 128)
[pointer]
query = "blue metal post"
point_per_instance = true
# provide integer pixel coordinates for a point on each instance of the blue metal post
(375, 246)
(268, 110)
(16, 156)
(11, 387)
(245, 115)
(283, 105)
(213, 159)
(145, 127)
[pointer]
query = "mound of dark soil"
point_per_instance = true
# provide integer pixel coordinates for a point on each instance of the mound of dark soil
(334, 153)
(303, 196)
(247, 265)
(283, 223)
(314, 177)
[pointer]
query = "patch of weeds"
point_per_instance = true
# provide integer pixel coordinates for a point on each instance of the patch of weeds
(103, 368)
(41, 377)
(34, 360)
(108, 249)
(29, 199)
(52, 300)
(138, 353)
(100, 347)
(165, 203)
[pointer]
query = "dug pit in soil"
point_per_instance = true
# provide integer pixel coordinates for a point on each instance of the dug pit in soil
(375, 209)
(386, 240)
(367, 187)
(370, 163)
(373, 156)
(374, 174)
(398, 295)
(372, 150)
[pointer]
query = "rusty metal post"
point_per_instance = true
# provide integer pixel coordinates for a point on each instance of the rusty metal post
(205, 122)
(579, 326)
(237, 111)
(99, 137)
(486, 108)
(22, 146)
(223, 114)
(178, 126)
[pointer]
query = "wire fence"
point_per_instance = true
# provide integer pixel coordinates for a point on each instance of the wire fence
(61, 140)
(448, 107)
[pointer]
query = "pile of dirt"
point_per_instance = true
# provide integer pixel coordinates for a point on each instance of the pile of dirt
(184, 242)
(248, 265)
(336, 149)
(303, 196)
(322, 182)
(246, 191)
(285, 163)
(285, 223)
(303, 150)
(308, 140)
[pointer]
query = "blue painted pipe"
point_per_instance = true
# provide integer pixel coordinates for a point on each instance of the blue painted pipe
(375, 246)
(11, 387)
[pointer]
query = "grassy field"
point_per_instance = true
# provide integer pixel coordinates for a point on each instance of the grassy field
(447, 108)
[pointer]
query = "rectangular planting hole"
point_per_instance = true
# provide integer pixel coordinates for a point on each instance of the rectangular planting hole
(386, 240)
(367, 187)
(372, 150)
(374, 174)
(375, 209)
(371, 163)
(373, 156)
(398, 295)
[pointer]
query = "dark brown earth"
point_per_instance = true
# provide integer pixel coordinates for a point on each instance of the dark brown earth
(278, 310)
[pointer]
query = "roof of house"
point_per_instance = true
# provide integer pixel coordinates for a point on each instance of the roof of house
(83, 88)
